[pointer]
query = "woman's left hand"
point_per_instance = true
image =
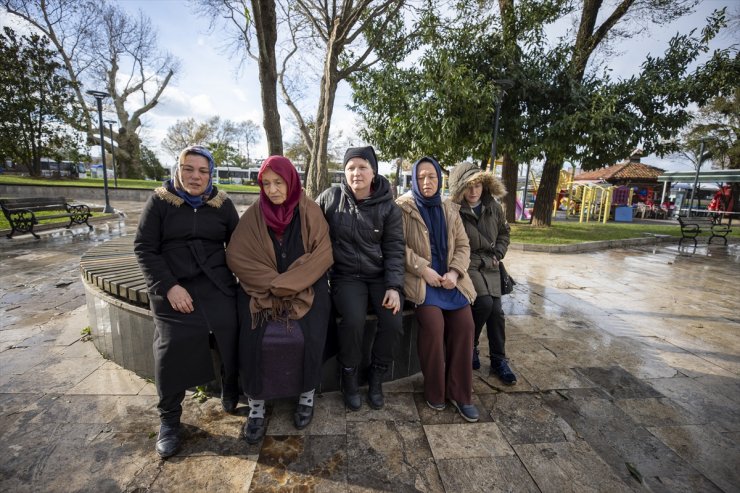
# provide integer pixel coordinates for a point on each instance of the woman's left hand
(449, 280)
(392, 300)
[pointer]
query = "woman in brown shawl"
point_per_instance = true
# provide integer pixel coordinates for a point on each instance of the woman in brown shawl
(281, 251)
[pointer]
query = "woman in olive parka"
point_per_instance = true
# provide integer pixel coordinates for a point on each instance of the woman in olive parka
(488, 232)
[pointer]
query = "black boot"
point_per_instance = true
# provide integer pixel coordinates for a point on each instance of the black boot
(168, 441)
(375, 386)
(350, 390)
(229, 391)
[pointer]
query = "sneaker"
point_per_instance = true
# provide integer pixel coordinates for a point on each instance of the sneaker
(476, 358)
(501, 369)
(468, 411)
(437, 407)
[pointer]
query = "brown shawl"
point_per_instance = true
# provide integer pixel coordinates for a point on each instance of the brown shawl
(251, 256)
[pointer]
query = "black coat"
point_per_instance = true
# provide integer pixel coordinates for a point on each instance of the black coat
(176, 244)
(367, 237)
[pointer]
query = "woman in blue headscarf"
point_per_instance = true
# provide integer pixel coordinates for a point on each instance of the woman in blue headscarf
(180, 246)
(436, 281)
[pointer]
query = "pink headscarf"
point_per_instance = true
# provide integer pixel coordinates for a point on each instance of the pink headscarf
(278, 217)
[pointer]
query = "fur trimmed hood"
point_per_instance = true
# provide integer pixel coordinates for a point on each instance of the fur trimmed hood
(216, 200)
(465, 174)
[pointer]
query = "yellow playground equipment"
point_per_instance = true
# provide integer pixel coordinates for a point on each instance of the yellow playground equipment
(595, 201)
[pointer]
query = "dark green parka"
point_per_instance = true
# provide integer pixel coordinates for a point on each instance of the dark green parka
(488, 233)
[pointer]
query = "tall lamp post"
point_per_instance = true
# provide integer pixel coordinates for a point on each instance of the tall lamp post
(696, 176)
(524, 196)
(113, 153)
(99, 95)
(503, 84)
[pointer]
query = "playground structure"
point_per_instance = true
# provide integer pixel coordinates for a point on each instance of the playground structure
(593, 201)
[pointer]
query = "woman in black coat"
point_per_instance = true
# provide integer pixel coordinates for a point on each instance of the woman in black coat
(367, 240)
(180, 246)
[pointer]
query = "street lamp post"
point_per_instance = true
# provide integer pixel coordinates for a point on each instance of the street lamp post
(99, 95)
(113, 153)
(696, 176)
(524, 196)
(503, 84)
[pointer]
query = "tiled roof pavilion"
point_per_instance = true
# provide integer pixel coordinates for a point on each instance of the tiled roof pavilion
(631, 170)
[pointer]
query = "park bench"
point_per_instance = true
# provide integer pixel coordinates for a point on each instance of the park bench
(691, 227)
(22, 213)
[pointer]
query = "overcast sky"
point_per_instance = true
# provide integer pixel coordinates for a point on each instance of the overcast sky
(208, 84)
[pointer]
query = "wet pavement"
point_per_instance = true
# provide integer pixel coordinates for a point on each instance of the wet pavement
(628, 363)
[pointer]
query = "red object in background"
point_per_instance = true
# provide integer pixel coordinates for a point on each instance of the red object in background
(722, 200)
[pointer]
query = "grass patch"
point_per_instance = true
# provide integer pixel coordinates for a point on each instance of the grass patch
(98, 183)
(569, 232)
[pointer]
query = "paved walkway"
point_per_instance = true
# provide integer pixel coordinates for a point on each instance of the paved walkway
(628, 363)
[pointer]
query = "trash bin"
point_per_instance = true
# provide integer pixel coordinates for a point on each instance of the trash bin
(623, 214)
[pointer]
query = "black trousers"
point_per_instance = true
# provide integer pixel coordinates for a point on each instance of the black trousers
(170, 408)
(351, 298)
(487, 310)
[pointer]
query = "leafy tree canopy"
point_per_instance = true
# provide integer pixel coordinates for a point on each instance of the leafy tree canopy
(37, 103)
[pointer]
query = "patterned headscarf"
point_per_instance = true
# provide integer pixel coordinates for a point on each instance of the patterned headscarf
(278, 217)
(175, 182)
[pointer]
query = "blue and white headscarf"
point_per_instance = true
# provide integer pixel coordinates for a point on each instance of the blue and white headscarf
(175, 183)
(431, 211)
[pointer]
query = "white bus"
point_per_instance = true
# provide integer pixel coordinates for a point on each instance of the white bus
(235, 175)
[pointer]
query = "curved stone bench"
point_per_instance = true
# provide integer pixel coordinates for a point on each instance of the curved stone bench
(122, 327)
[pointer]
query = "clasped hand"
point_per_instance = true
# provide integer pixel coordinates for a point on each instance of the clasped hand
(447, 281)
(180, 299)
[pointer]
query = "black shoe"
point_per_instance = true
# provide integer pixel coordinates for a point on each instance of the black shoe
(375, 386)
(302, 416)
(229, 403)
(254, 430)
(476, 358)
(500, 368)
(168, 441)
(350, 389)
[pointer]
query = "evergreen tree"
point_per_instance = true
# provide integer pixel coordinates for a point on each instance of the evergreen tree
(37, 103)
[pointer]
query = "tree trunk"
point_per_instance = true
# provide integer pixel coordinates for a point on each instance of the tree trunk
(542, 213)
(317, 175)
(509, 175)
(265, 22)
(397, 177)
(128, 155)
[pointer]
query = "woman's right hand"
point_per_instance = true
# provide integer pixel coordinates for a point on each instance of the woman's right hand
(180, 299)
(431, 277)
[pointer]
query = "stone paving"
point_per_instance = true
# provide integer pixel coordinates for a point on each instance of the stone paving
(628, 363)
